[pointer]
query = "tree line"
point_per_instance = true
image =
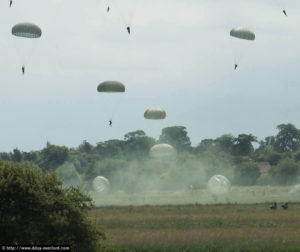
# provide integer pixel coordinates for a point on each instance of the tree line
(276, 160)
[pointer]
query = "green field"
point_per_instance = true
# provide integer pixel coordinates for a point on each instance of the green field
(223, 227)
(240, 195)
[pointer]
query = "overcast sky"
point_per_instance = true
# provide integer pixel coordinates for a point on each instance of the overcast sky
(179, 57)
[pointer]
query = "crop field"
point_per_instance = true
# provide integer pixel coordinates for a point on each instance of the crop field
(195, 227)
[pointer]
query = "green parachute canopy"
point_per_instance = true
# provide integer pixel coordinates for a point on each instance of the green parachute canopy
(155, 114)
(242, 33)
(26, 30)
(111, 87)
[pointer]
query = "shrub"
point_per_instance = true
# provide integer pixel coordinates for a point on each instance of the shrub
(34, 209)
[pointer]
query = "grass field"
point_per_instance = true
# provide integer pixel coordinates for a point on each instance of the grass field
(223, 227)
(241, 195)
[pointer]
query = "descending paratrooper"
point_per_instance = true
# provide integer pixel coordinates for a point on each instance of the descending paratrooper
(284, 12)
(243, 34)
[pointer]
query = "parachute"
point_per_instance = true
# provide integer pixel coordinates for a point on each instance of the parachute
(240, 42)
(161, 150)
(26, 30)
(101, 184)
(26, 40)
(295, 189)
(111, 94)
(111, 87)
(218, 185)
(155, 114)
(242, 33)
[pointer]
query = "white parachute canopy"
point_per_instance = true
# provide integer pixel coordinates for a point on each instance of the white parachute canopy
(155, 114)
(218, 185)
(295, 189)
(101, 184)
(161, 150)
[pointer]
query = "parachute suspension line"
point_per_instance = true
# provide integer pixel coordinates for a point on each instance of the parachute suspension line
(126, 14)
(241, 57)
(115, 107)
(241, 42)
(26, 37)
(156, 117)
(111, 93)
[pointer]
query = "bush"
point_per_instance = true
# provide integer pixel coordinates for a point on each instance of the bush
(265, 179)
(68, 174)
(286, 171)
(34, 209)
(246, 173)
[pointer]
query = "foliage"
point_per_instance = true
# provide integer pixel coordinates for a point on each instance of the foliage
(137, 145)
(86, 147)
(53, 156)
(111, 148)
(288, 138)
(246, 173)
(176, 136)
(34, 209)
(205, 145)
(127, 161)
(68, 174)
(265, 179)
(286, 171)
(243, 144)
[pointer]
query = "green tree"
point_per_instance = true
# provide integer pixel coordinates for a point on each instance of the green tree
(84, 163)
(297, 156)
(137, 144)
(68, 174)
(16, 155)
(34, 209)
(110, 148)
(134, 135)
(273, 157)
(270, 141)
(108, 167)
(243, 144)
(5, 156)
(286, 171)
(246, 173)
(225, 143)
(176, 136)
(288, 138)
(205, 145)
(30, 156)
(86, 147)
(53, 156)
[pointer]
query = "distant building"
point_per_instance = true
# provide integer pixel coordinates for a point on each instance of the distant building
(264, 167)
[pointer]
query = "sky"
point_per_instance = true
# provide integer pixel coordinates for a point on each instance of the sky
(178, 57)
